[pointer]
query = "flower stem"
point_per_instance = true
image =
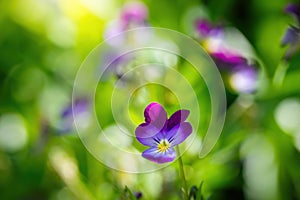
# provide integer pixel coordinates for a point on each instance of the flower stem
(280, 73)
(185, 188)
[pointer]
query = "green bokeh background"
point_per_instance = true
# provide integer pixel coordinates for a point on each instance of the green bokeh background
(43, 43)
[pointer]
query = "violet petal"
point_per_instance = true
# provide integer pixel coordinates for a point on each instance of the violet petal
(203, 27)
(178, 117)
(80, 105)
(154, 155)
(293, 9)
(291, 36)
(179, 133)
(228, 57)
(156, 115)
(146, 132)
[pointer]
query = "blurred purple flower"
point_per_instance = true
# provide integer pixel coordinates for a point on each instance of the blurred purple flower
(292, 34)
(203, 26)
(138, 195)
(79, 109)
(213, 40)
(134, 13)
(205, 29)
(162, 134)
(293, 9)
(244, 78)
(113, 63)
(226, 59)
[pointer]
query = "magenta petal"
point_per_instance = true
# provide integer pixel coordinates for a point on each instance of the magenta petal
(203, 26)
(154, 155)
(179, 133)
(134, 11)
(156, 115)
(178, 117)
(228, 57)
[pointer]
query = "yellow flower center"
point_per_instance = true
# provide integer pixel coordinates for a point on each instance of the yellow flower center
(163, 146)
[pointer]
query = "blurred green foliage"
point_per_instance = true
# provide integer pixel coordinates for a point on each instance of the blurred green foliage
(43, 43)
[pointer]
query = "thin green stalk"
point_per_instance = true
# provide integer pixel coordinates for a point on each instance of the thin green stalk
(185, 188)
(280, 73)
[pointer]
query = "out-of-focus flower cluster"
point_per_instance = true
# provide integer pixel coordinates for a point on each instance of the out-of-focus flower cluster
(291, 37)
(227, 48)
(132, 15)
(119, 39)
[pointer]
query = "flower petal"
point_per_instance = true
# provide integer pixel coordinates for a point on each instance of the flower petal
(228, 57)
(243, 79)
(134, 12)
(179, 133)
(80, 105)
(291, 36)
(154, 155)
(156, 115)
(203, 26)
(146, 132)
(293, 9)
(178, 117)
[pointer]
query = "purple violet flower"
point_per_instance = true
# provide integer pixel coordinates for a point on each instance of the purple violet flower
(213, 41)
(79, 109)
(243, 78)
(133, 15)
(134, 12)
(162, 134)
(293, 9)
(292, 34)
(226, 59)
(205, 29)
(114, 63)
